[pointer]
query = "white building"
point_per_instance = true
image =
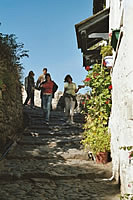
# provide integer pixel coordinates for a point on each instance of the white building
(117, 17)
(121, 120)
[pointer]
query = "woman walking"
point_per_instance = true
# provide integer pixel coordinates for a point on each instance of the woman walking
(70, 91)
(30, 87)
(48, 89)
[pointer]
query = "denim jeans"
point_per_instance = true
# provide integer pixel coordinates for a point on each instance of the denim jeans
(69, 108)
(30, 96)
(47, 101)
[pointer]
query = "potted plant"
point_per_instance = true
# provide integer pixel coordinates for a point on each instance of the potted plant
(97, 110)
(99, 145)
(106, 52)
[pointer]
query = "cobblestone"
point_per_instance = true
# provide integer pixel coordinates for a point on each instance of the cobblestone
(48, 163)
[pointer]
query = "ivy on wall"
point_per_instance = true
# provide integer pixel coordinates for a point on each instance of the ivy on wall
(10, 86)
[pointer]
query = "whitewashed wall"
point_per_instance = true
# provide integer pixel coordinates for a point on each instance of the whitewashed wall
(116, 9)
(121, 120)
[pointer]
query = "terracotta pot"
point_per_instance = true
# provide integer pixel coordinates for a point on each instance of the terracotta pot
(102, 157)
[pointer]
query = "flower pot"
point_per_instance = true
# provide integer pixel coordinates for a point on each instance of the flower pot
(108, 61)
(102, 157)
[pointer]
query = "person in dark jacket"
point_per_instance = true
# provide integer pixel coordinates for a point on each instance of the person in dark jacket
(41, 79)
(30, 87)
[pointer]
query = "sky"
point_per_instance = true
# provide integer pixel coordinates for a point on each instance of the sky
(47, 30)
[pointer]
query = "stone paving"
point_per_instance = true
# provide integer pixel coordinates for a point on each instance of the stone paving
(48, 163)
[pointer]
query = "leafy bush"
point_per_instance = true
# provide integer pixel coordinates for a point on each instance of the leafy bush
(10, 87)
(98, 106)
(106, 50)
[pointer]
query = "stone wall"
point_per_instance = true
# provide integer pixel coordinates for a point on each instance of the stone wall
(11, 116)
(121, 120)
(11, 119)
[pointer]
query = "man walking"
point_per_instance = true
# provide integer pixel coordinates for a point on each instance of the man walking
(41, 79)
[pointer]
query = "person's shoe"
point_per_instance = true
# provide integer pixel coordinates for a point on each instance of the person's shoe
(46, 122)
(72, 122)
(33, 107)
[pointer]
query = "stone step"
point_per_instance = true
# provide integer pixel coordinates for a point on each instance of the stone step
(46, 141)
(51, 134)
(52, 127)
(54, 176)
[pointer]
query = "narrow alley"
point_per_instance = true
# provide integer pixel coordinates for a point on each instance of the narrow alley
(48, 163)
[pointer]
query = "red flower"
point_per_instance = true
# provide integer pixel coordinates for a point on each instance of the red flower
(107, 102)
(87, 79)
(83, 102)
(87, 68)
(110, 87)
(104, 63)
(95, 74)
(110, 34)
(131, 154)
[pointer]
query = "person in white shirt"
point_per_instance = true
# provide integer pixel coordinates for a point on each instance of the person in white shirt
(70, 91)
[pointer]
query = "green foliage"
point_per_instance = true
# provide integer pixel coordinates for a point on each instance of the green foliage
(10, 86)
(99, 103)
(10, 66)
(97, 139)
(126, 148)
(98, 106)
(126, 197)
(1, 85)
(106, 51)
(104, 4)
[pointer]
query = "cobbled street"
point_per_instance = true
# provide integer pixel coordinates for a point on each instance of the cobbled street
(48, 163)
